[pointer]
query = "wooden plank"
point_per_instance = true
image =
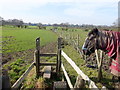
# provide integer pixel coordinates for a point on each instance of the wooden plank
(47, 72)
(66, 76)
(77, 69)
(47, 64)
(48, 54)
(19, 81)
(60, 85)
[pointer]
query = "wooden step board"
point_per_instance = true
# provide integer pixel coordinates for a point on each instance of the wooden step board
(47, 72)
(59, 85)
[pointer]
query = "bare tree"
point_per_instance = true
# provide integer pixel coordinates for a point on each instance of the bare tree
(39, 25)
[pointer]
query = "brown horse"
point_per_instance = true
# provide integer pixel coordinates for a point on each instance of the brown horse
(107, 41)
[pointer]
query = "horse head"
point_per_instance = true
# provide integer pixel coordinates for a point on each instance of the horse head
(91, 42)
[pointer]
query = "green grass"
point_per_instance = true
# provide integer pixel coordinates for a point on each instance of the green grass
(20, 39)
(17, 68)
(17, 39)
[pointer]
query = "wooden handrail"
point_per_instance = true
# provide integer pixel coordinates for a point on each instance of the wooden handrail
(19, 81)
(77, 69)
(66, 76)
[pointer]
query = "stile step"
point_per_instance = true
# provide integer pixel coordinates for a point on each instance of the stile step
(59, 84)
(47, 72)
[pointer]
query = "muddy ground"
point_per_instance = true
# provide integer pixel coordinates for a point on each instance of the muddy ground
(27, 55)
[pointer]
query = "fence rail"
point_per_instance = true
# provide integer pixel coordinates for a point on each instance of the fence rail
(76, 68)
(47, 64)
(19, 81)
(67, 77)
(48, 54)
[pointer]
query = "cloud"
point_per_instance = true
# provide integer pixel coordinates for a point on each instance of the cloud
(28, 4)
(75, 11)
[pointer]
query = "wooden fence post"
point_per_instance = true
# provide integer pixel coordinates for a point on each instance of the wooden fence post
(78, 40)
(100, 66)
(69, 39)
(80, 83)
(59, 54)
(37, 55)
(5, 80)
(97, 58)
(78, 43)
(99, 63)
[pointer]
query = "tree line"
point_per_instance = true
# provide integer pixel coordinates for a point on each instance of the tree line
(20, 24)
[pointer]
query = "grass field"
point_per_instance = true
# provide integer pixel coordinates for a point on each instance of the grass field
(17, 39)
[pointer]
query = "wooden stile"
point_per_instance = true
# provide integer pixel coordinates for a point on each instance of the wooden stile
(37, 63)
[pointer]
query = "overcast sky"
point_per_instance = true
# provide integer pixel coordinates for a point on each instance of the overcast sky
(98, 12)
